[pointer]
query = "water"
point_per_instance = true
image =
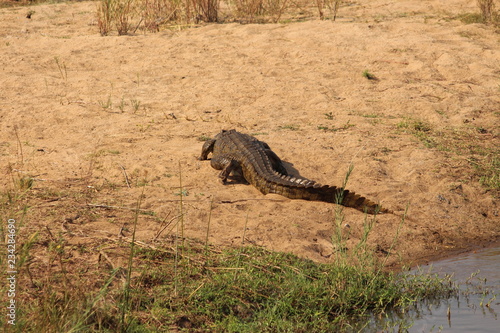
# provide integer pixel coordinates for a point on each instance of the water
(467, 312)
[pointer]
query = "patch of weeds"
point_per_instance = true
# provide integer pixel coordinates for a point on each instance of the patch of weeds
(253, 290)
(104, 152)
(290, 127)
(336, 129)
(122, 105)
(442, 113)
(398, 50)
(135, 105)
(143, 128)
(471, 18)
(385, 150)
(107, 104)
(26, 183)
(182, 193)
(420, 129)
(481, 130)
(488, 170)
(329, 115)
(366, 74)
(469, 142)
(204, 138)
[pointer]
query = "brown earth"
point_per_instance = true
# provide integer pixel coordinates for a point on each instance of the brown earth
(91, 119)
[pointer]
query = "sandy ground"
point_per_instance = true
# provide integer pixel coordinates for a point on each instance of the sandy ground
(93, 118)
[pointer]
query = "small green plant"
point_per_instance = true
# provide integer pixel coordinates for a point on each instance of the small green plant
(369, 76)
(420, 129)
(122, 105)
(30, 13)
(26, 183)
(329, 115)
(136, 104)
(107, 104)
(489, 171)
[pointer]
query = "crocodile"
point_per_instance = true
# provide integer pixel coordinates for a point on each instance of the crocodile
(246, 156)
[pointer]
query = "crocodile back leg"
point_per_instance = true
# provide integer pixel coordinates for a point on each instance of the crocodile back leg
(227, 164)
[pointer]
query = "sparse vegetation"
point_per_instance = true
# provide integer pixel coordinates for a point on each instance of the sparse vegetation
(462, 142)
(126, 16)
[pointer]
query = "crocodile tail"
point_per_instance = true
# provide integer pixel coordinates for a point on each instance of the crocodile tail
(317, 192)
(353, 200)
(347, 198)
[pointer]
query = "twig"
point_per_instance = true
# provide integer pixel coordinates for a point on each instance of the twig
(162, 228)
(137, 27)
(102, 254)
(152, 247)
(50, 234)
(252, 199)
(126, 176)
(117, 207)
(393, 62)
(19, 144)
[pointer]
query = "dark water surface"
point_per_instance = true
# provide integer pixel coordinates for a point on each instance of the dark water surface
(478, 274)
(468, 313)
(475, 309)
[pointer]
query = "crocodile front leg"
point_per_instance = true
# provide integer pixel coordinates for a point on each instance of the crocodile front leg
(208, 147)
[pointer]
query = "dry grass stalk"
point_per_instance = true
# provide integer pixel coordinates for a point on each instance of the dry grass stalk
(487, 8)
(206, 10)
(105, 16)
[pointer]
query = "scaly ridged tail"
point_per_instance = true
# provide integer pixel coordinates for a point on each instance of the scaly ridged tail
(309, 190)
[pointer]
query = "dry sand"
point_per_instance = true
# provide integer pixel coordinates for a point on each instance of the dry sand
(85, 114)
